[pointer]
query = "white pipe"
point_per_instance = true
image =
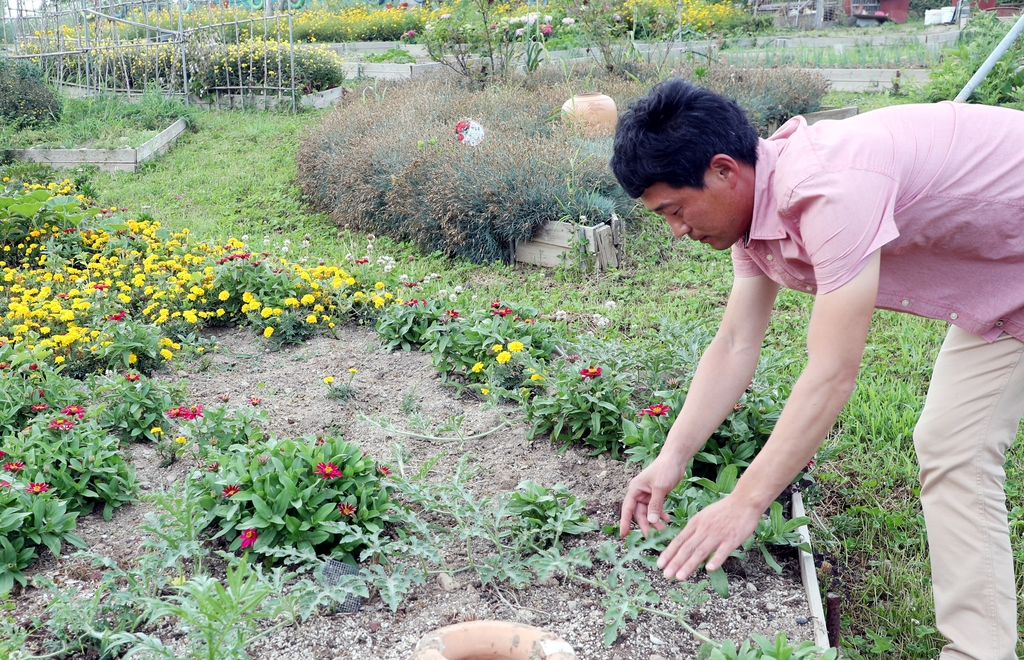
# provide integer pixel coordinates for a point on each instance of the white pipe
(1000, 50)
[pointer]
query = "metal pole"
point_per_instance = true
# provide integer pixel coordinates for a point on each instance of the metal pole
(291, 55)
(1000, 50)
(184, 62)
(819, 15)
(88, 48)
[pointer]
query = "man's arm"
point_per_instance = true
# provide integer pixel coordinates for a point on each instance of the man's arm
(835, 344)
(723, 373)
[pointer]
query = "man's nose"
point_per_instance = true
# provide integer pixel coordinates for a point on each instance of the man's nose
(679, 229)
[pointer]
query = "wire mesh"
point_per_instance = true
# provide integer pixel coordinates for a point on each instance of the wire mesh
(233, 52)
(333, 570)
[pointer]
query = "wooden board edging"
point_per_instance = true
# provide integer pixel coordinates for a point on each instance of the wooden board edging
(550, 244)
(809, 575)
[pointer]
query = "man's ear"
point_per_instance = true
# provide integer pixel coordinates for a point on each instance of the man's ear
(725, 167)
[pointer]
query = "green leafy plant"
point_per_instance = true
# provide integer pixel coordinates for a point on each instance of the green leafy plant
(78, 459)
(546, 514)
(406, 325)
(135, 405)
(394, 55)
(302, 493)
(24, 99)
(29, 520)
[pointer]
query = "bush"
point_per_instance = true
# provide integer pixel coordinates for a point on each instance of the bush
(1003, 85)
(24, 101)
(303, 493)
(768, 96)
(390, 164)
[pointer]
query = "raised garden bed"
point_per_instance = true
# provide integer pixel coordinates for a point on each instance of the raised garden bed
(108, 160)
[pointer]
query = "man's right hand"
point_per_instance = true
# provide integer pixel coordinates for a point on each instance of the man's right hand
(645, 497)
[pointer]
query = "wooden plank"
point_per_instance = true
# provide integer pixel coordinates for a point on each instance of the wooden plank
(606, 257)
(835, 113)
(810, 577)
(540, 254)
(161, 143)
(554, 233)
(618, 238)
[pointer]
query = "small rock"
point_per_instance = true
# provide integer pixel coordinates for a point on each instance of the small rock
(171, 478)
(374, 626)
(244, 384)
(446, 582)
(526, 616)
(801, 620)
(657, 657)
(751, 588)
(770, 607)
(657, 641)
(550, 582)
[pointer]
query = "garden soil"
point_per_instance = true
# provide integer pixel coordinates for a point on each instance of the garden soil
(290, 384)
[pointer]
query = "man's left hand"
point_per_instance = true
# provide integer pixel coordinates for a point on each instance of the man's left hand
(713, 532)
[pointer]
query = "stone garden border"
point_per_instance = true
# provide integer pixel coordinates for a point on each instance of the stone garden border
(108, 160)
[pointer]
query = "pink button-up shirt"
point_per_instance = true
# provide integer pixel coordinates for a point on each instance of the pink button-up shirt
(939, 189)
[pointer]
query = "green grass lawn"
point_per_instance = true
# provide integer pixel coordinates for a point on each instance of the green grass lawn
(235, 176)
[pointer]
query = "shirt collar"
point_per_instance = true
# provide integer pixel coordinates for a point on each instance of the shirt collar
(766, 224)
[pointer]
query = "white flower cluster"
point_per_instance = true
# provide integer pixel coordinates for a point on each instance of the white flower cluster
(561, 315)
(601, 321)
(432, 276)
(386, 263)
(610, 304)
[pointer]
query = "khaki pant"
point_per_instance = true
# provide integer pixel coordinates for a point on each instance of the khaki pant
(970, 418)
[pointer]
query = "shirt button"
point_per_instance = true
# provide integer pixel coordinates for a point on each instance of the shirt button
(999, 323)
(953, 316)
(769, 257)
(906, 302)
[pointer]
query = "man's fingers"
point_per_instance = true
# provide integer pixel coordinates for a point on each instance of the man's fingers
(626, 517)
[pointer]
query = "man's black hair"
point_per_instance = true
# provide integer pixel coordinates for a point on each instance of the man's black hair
(671, 134)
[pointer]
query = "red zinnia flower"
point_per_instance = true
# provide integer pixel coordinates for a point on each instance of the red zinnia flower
(383, 470)
(255, 401)
(657, 410)
(5, 484)
(37, 488)
(496, 304)
(230, 490)
(591, 372)
(100, 286)
(2, 453)
(39, 407)
(14, 466)
(62, 424)
(362, 261)
(75, 410)
(502, 312)
(327, 470)
(115, 317)
(4, 365)
(249, 537)
(452, 314)
(347, 509)
(411, 284)
(213, 467)
(33, 366)
(132, 377)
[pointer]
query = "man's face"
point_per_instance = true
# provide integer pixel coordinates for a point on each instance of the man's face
(717, 215)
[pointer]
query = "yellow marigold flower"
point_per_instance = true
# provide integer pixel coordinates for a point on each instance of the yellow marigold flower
(220, 311)
(536, 377)
(484, 391)
(379, 285)
(58, 360)
(311, 318)
(166, 354)
(308, 299)
(267, 331)
(267, 312)
(181, 440)
(478, 367)
(504, 357)
(293, 302)
(223, 295)
(132, 358)
(156, 430)
(515, 346)
(353, 370)
(497, 348)
(247, 297)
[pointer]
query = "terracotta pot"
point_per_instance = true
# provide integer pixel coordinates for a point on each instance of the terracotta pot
(492, 640)
(595, 111)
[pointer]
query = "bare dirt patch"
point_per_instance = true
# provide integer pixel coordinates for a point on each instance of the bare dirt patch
(290, 384)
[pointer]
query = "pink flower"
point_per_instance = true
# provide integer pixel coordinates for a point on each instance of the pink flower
(249, 537)
(327, 470)
(347, 509)
(590, 372)
(657, 410)
(230, 490)
(74, 411)
(383, 470)
(62, 424)
(568, 21)
(546, 30)
(14, 466)
(37, 488)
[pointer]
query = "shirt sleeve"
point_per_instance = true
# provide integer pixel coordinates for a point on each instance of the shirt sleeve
(844, 217)
(742, 264)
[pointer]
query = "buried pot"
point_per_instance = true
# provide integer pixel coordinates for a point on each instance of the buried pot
(492, 640)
